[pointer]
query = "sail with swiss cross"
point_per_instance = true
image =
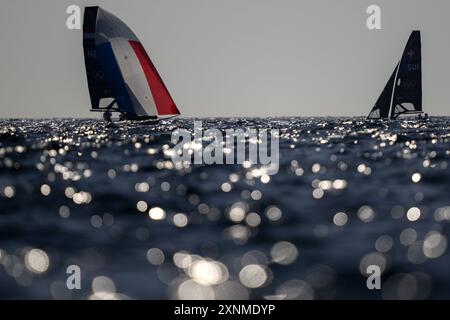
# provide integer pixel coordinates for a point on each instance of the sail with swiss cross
(403, 92)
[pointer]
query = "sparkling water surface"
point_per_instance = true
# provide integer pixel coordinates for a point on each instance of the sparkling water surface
(107, 198)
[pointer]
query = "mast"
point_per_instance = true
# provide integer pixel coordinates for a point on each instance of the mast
(394, 85)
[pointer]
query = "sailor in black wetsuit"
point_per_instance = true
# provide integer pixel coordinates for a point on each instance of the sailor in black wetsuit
(107, 116)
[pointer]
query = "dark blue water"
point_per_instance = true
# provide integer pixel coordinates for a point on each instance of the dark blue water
(108, 199)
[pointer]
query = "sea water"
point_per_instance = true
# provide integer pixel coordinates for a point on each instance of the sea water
(107, 199)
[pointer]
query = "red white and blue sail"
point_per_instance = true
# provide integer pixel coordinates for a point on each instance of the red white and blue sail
(119, 69)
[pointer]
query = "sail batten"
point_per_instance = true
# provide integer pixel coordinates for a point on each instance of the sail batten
(404, 87)
(127, 73)
(394, 85)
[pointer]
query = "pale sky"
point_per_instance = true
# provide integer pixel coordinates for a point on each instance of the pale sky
(230, 57)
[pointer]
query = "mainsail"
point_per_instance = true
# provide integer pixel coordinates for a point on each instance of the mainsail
(120, 71)
(403, 92)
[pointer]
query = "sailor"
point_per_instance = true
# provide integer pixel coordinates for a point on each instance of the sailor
(107, 116)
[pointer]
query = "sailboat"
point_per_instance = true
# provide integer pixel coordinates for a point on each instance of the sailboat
(121, 77)
(402, 96)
